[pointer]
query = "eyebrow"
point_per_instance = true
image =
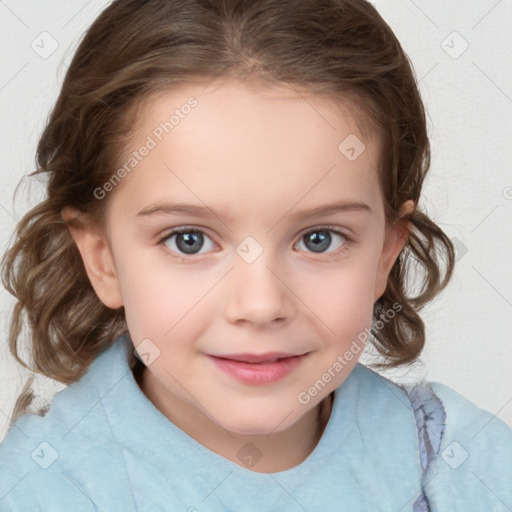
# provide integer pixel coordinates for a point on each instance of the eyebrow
(204, 212)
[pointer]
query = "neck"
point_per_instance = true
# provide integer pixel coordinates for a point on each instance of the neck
(280, 451)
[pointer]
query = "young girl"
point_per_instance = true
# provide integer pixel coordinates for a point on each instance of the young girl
(232, 216)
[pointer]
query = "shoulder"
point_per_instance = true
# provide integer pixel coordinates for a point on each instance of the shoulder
(390, 395)
(473, 467)
(474, 464)
(383, 412)
(473, 432)
(36, 467)
(63, 458)
(465, 418)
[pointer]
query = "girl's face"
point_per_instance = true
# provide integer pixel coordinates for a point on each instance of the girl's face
(284, 249)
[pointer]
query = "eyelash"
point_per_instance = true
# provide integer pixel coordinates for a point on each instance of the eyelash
(330, 255)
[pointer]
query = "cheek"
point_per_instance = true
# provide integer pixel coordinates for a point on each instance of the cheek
(161, 304)
(173, 305)
(341, 300)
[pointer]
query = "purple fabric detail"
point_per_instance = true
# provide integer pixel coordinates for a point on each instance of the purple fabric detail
(430, 419)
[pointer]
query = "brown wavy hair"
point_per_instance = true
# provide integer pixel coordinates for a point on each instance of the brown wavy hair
(339, 48)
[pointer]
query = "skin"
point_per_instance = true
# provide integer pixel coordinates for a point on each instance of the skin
(255, 156)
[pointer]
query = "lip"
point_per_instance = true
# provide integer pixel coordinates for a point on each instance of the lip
(255, 358)
(258, 373)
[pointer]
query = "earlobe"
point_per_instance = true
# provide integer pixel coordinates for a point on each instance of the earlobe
(395, 240)
(96, 255)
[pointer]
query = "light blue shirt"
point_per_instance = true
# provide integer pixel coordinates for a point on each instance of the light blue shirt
(103, 446)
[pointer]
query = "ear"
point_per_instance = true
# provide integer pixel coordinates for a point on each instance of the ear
(96, 255)
(395, 239)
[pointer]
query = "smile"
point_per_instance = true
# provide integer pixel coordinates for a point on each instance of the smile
(260, 372)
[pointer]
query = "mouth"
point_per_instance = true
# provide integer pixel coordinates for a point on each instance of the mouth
(268, 357)
(258, 369)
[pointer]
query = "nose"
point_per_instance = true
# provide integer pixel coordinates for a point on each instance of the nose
(258, 293)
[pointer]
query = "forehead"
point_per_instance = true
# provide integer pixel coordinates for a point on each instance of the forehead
(250, 147)
(250, 98)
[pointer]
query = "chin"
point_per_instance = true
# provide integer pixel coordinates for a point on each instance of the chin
(251, 430)
(258, 424)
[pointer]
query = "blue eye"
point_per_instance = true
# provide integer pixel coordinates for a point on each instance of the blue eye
(319, 239)
(189, 241)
